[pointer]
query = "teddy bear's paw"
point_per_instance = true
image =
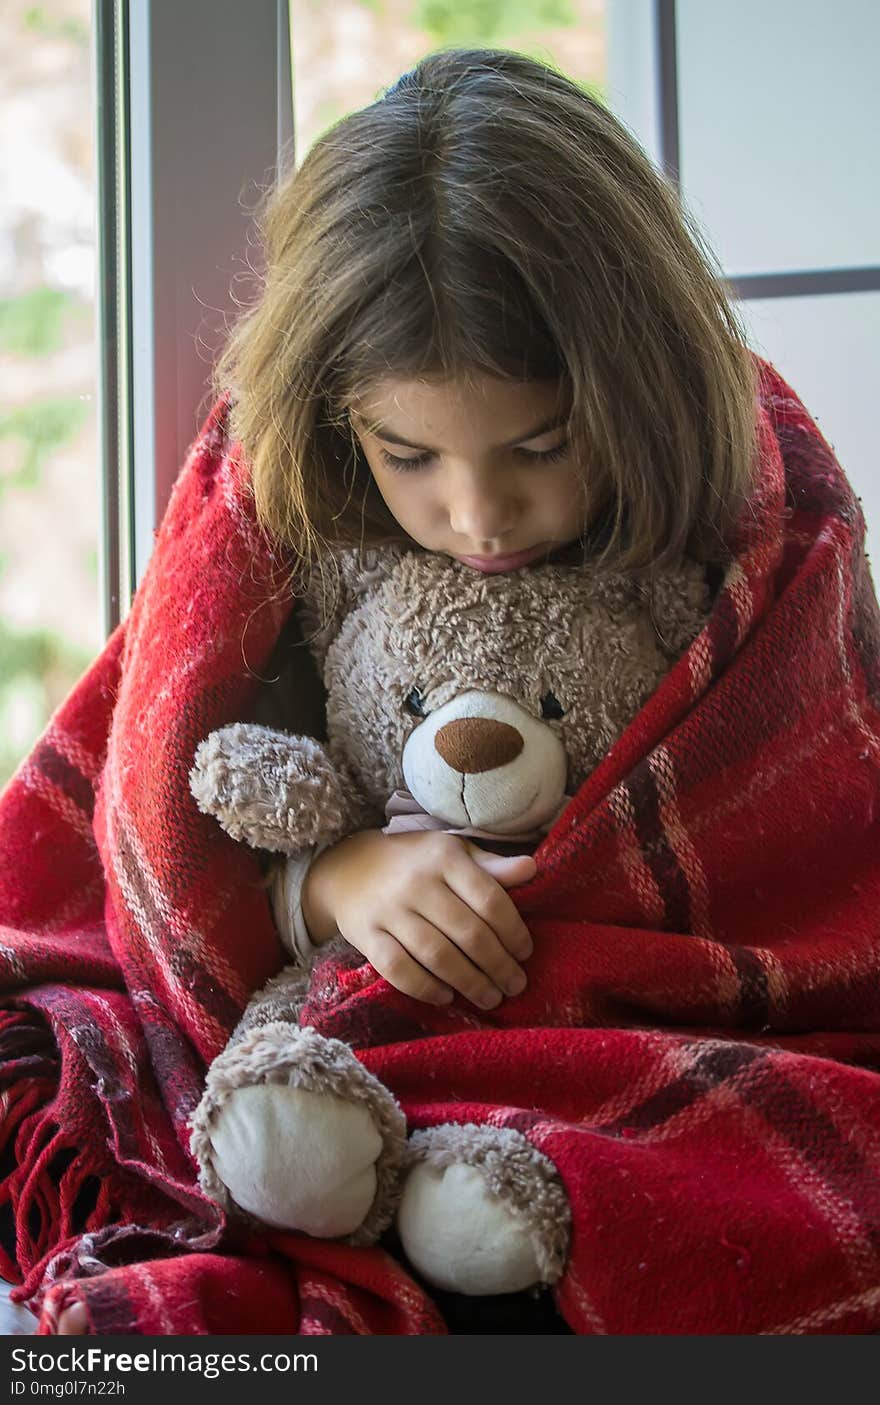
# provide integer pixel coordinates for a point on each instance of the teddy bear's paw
(293, 1132)
(271, 789)
(482, 1211)
(298, 1160)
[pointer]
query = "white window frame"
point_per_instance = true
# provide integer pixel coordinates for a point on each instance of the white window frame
(194, 119)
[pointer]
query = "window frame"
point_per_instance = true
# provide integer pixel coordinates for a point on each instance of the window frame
(174, 214)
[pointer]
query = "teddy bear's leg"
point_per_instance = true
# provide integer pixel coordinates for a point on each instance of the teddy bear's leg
(296, 1133)
(482, 1211)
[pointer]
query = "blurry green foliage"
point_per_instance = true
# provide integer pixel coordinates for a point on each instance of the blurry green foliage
(37, 667)
(39, 21)
(42, 428)
(37, 671)
(30, 651)
(484, 22)
(33, 323)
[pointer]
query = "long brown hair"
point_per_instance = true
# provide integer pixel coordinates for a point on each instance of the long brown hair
(487, 215)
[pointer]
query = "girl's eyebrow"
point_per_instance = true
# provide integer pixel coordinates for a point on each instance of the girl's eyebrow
(382, 431)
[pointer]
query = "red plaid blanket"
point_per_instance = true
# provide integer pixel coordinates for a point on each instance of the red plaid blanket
(706, 917)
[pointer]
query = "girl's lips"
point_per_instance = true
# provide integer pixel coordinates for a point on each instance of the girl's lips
(492, 564)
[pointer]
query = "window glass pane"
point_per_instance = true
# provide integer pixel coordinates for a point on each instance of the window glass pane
(780, 124)
(50, 619)
(345, 54)
(828, 349)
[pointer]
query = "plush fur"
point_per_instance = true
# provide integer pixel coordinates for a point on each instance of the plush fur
(470, 691)
(429, 624)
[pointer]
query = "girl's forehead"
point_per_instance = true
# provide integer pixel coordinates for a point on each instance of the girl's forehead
(393, 397)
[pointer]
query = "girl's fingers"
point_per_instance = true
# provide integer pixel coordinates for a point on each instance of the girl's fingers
(510, 870)
(432, 948)
(473, 936)
(486, 897)
(394, 963)
(438, 959)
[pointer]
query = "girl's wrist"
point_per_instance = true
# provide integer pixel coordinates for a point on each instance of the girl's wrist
(316, 898)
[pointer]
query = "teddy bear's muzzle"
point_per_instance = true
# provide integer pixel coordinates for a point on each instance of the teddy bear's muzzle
(483, 760)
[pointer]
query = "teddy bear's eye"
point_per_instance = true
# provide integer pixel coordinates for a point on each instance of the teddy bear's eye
(415, 704)
(550, 707)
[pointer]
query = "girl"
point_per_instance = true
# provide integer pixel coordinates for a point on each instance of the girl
(488, 329)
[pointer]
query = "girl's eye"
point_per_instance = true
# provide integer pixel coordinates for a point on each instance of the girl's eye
(534, 455)
(546, 455)
(402, 465)
(550, 707)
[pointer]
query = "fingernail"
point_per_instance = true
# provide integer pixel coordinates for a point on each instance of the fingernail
(517, 984)
(525, 949)
(445, 997)
(489, 999)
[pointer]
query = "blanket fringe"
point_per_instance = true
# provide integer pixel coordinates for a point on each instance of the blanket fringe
(32, 1211)
(66, 1208)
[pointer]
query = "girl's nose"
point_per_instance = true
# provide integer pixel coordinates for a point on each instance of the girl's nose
(480, 517)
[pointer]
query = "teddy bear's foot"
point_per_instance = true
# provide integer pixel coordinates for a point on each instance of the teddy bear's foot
(482, 1211)
(294, 1132)
(298, 1160)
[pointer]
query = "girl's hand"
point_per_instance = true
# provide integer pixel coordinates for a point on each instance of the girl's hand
(428, 910)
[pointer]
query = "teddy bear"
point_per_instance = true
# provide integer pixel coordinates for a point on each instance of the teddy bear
(476, 703)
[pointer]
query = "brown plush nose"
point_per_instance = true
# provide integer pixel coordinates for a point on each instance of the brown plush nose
(472, 744)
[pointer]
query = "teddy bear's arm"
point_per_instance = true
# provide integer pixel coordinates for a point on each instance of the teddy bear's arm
(272, 789)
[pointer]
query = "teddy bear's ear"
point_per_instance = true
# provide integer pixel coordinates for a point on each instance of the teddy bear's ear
(336, 585)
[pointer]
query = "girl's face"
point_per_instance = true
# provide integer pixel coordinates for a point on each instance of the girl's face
(476, 469)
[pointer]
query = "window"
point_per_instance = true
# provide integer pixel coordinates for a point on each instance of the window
(50, 503)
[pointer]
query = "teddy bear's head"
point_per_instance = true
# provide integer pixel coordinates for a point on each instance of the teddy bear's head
(489, 697)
